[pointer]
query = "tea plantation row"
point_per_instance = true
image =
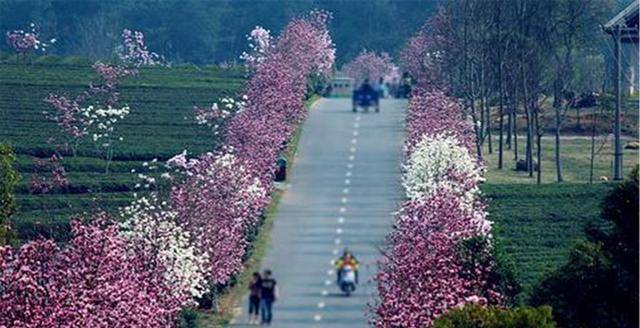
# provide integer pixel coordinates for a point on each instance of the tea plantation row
(536, 225)
(161, 124)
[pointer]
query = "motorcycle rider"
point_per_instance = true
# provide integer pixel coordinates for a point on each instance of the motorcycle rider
(347, 259)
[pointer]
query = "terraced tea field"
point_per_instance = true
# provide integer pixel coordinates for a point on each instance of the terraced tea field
(161, 124)
(537, 225)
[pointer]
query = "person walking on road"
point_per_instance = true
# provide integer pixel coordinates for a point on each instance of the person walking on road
(268, 295)
(255, 288)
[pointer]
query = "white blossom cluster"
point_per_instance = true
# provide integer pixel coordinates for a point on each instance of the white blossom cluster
(180, 162)
(104, 121)
(431, 164)
(260, 43)
(149, 224)
(219, 112)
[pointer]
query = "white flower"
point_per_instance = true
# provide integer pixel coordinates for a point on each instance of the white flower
(432, 161)
(148, 223)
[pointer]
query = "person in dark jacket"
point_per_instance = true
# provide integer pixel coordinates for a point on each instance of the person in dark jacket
(268, 295)
(255, 288)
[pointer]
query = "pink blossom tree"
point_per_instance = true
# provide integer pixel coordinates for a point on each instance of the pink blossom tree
(134, 52)
(24, 42)
(369, 65)
(217, 203)
(95, 281)
(420, 277)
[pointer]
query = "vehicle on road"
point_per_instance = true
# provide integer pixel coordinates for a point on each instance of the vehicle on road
(366, 96)
(347, 281)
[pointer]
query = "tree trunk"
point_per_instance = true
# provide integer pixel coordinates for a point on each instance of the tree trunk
(557, 107)
(488, 126)
(593, 147)
(515, 134)
(509, 124)
(501, 121)
(538, 146)
(557, 149)
(527, 111)
(617, 156)
(477, 130)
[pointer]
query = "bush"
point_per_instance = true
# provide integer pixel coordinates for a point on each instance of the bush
(481, 252)
(476, 316)
(188, 318)
(598, 286)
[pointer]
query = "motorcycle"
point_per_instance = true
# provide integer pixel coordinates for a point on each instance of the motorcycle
(347, 281)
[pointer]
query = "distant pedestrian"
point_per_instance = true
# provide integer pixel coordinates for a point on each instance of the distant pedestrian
(255, 288)
(268, 295)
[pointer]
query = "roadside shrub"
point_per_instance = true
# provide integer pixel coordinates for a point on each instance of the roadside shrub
(477, 316)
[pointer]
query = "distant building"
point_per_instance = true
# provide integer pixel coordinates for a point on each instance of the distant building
(342, 86)
(625, 26)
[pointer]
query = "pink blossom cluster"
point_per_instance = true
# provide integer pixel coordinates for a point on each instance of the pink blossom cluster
(67, 116)
(305, 44)
(369, 65)
(218, 202)
(134, 51)
(23, 42)
(432, 113)
(106, 91)
(111, 74)
(276, 93)
(94, 281)
(50, 175)
(422, 274)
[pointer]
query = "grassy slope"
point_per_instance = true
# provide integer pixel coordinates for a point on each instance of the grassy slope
(161, 125)
(538, 224)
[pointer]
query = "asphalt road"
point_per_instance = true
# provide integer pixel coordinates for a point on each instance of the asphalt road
(342, 192)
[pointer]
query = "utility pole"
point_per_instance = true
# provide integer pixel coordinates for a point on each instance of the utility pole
(617, 159)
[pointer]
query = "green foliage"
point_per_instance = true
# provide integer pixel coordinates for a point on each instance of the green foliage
(161, 125)
(208, 31)
(8, 180)
(537, 225)
(598, 286)
(476, 316)
(188, 318)
(481, 252)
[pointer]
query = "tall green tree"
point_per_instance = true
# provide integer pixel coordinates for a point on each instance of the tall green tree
(9, 178)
